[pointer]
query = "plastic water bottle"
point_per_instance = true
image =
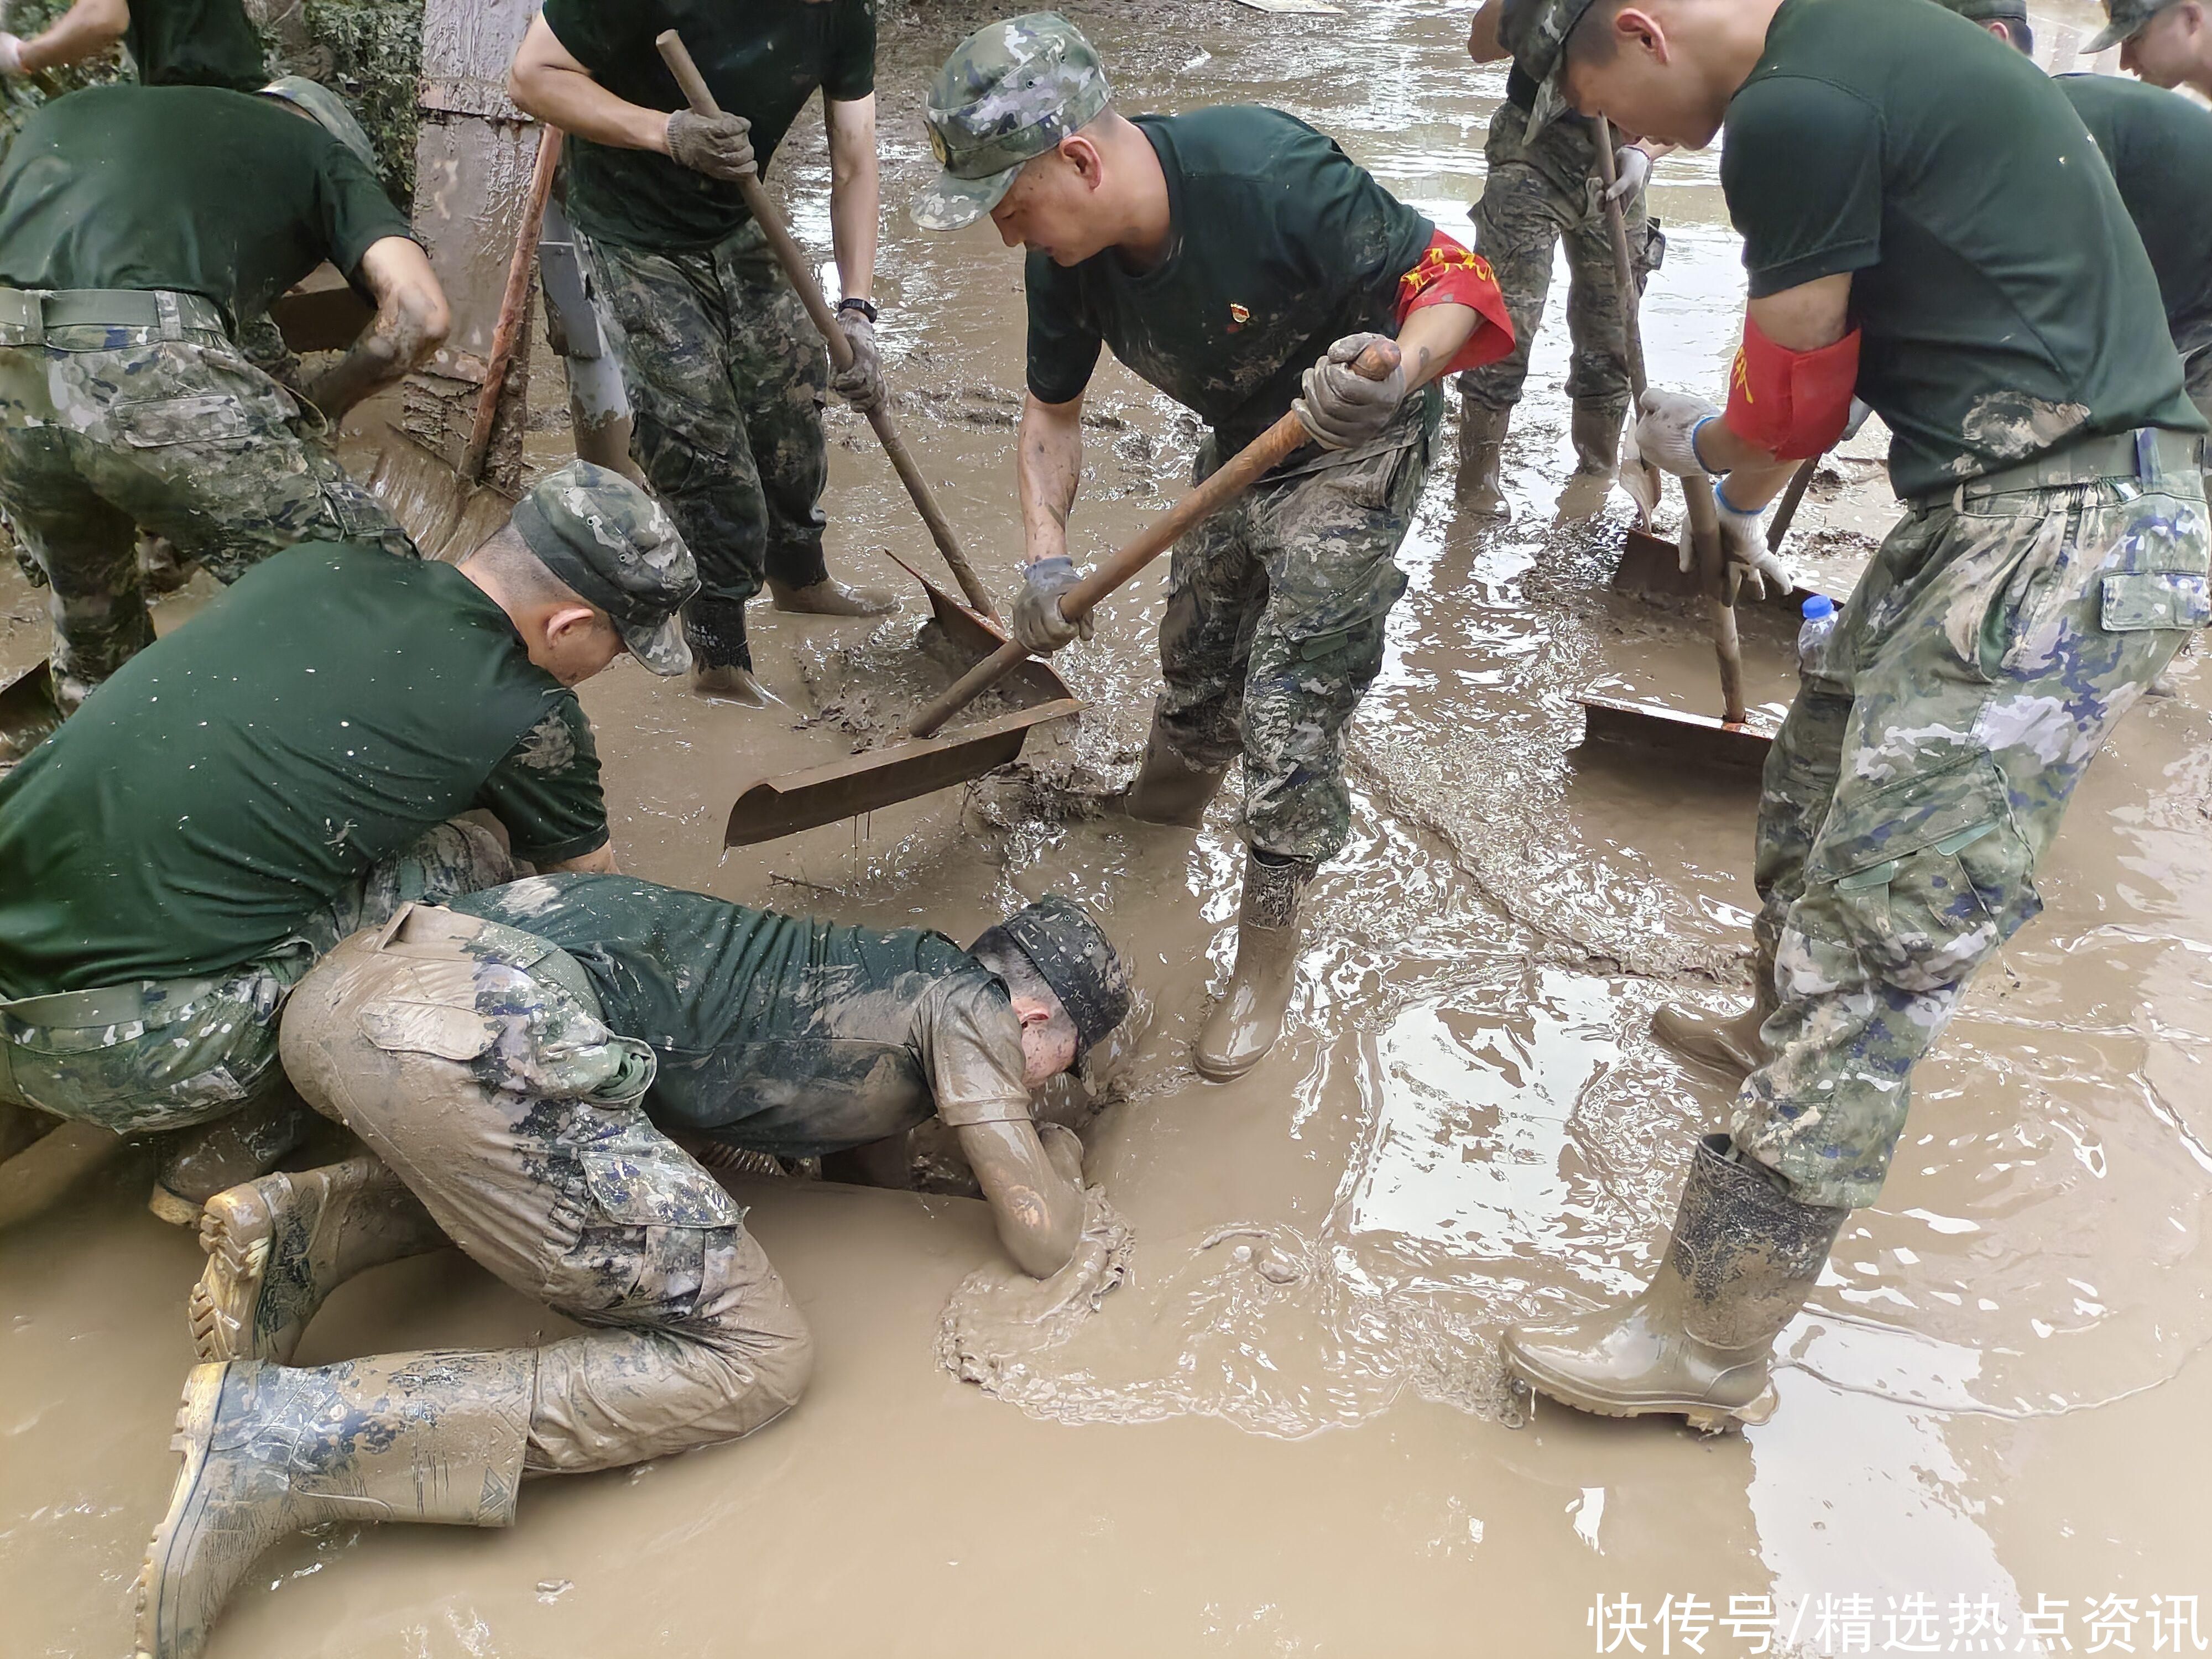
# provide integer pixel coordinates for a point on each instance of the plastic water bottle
(1813, 637)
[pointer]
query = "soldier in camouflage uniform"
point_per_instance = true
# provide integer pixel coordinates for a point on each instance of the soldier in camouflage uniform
(513, 1061)
(2052, 558)
(1266, 263)
(138, 225)
(253, 787)
(725, 373)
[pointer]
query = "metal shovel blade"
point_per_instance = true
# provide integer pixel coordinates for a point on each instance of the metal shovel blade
(27, 713)
(1656, 730)
(1652, 564)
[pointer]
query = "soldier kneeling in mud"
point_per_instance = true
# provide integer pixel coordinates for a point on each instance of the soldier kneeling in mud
(515, 1061)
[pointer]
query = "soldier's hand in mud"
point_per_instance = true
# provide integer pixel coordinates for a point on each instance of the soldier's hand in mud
(861, 382)
(1343, 408)
(1632, 171)
(719, 146)
(11, 53)
(1038, 625)
(1667, 424)
(1748, 568)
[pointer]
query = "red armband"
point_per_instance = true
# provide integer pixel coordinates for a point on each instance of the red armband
(1794, 404)
(1449, 275)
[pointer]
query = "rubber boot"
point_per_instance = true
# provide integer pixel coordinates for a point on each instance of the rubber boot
(1482, 458)
(270, 1451)
(198, 1163)
(277, 1247)
(1743, 1258)
(1250, 1017)
(1168, 789)
(1729, 1044)
(721, 656)
(1595, 429)
(831, 597)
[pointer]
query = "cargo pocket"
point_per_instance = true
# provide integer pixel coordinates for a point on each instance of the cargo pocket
(209, 421)
(1929, 873)
(643, 1179)
(438, 1028)
(1370, 483)
(2146, 599)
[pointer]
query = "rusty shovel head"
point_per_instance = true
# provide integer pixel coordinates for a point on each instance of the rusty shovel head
(28, 712)
(1676, 734)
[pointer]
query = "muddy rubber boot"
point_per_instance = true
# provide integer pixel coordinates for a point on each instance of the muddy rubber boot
(198, 1163)
(1168, 789)
(831, 597)
(270, 1451)
(1728, 1043)
(1482, 459)
(1743, 1258)
(721, 656)
(1596, 432)
(1250, 1017)
(277, 1247)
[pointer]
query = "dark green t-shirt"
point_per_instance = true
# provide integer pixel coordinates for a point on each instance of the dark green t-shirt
(2006, 304)
(2160, 146)
(762, 59)
(323, 713)
(195, 43)
(1280, 247)
(779, 1033)
(197, 189)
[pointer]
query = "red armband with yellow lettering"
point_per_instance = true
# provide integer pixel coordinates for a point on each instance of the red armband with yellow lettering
(1449, 275)
(1794, 404)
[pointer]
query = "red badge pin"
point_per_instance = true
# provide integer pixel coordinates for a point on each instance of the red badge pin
(1238, 316)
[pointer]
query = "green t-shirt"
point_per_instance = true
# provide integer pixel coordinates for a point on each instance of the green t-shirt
(2160, 146)
(195, 43)
(332, 706)
(197, 189)
(779, 1033)
(2006, 305)
(1280, 247)
(762, 59)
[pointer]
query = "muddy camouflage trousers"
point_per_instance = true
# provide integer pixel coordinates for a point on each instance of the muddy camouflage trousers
(726, 377)
(170, 1053)
(472, 1059)
(1916, 783)
(1273, 631)
(105, 431)
(1535, 196)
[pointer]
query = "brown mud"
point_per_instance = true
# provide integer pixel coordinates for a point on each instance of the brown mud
(1285, 1431)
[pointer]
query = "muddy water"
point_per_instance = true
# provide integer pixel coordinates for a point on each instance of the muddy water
(1285, 1433)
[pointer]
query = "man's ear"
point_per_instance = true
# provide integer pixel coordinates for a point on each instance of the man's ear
(1640, 28)
(1030, 1012)
(1082, 154)
(563, 619)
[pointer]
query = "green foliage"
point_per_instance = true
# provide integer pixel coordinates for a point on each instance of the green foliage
(376, 54)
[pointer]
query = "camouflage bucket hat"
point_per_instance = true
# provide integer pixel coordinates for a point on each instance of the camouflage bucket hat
(1535, 32)
(1072, 954)
(329, 111)
(1987, 11)
(2124, 19)
(1008, 92)
(611, 543)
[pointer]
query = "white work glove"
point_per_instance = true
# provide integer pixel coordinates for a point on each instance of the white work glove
(1343, 408)
(1665, 426)
(860, 383)
(1632, 172)
(1038, 625)
(1747, 566)
(11, 53)
(719, 146)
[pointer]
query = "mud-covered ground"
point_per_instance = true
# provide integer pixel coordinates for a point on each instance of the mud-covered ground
(1294, 1440)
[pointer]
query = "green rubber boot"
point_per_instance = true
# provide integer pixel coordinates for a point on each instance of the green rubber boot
(1250, 1018)
(1726, 1043)
(1168, 789)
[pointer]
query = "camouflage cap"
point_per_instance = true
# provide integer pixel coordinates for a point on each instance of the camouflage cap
(1009, 91)
(2123, 20)
(1535, 32)
(1072, 954)
(613, 545)
(313, 99)
(1987, 11)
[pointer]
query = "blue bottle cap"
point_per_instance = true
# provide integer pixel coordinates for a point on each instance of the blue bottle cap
(1818, 605)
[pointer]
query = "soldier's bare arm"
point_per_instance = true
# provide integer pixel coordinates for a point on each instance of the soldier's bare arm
(1802, 319)
(1431, 338)
(1051, 466)
(855, 199)
(85, 30)
(410, 322)
(1035, 1194)
(547, 82)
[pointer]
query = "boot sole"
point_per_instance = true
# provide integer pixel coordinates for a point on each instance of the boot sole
(195, 1428)
(237, 1230)
(1701, 1414)
(177, 1211)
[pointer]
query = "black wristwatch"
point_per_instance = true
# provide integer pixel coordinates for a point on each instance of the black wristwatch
(853, 302)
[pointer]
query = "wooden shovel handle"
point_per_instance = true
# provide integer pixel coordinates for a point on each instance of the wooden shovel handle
(507, 332)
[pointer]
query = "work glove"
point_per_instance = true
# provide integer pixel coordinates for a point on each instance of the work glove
(1343, 408)
(719, 146)
(11, 53)
(1666, 424)
(1632, 172)
(1748, 567)
(861, 382)
(1037, 622)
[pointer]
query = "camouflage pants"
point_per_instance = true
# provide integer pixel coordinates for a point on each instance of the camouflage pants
(472, 1059)
(181, 437)
(167, 1054)
(726, 376)
(1537, 195)
(1988, 650)
(1274, 630)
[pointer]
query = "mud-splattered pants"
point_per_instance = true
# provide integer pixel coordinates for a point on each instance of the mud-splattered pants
(472, 1059)
(1916, 785)
(1274, 630)
(726, 377)
(105, 431)
(170, 1054)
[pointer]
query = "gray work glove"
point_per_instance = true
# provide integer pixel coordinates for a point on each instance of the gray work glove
(1632, 172)
(1666, 426)
(1747, 566)
(1038, 625)
(719, 146)
(860, 383)
(1343, 408)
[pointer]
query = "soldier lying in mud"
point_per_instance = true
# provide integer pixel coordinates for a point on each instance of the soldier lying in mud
(515, 1063)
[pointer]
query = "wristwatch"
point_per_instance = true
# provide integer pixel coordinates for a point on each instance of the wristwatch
(853, 302)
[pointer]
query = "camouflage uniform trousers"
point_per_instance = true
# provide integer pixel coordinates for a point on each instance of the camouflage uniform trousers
(726, 376)
(1989, 648)
(472, 1058)
(1536, 195)
(172, 1053)
(1273, 631)
(104, 431)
